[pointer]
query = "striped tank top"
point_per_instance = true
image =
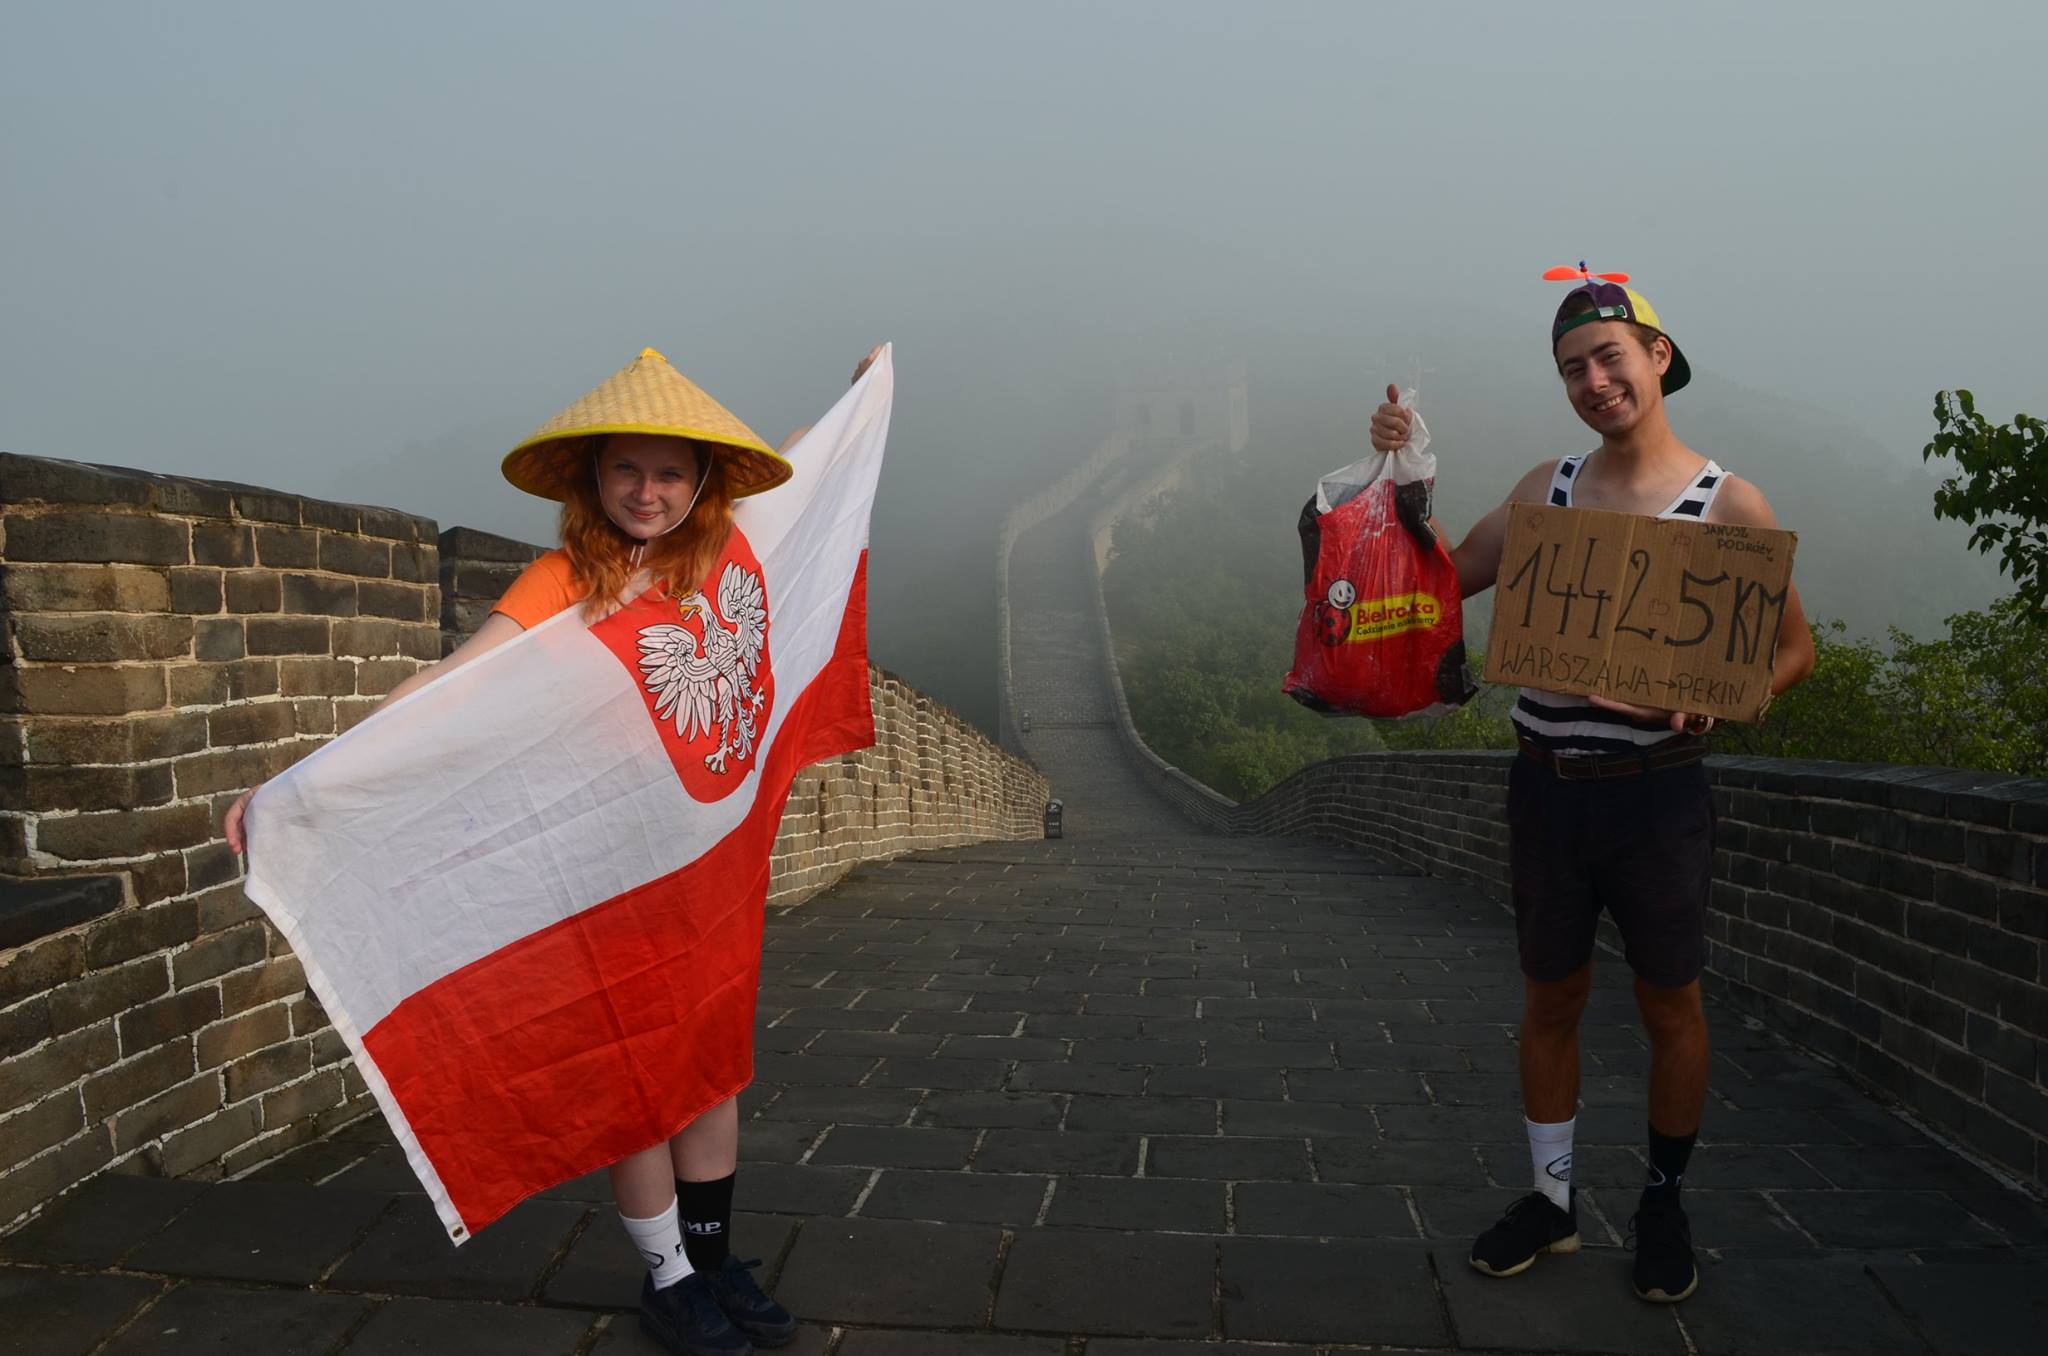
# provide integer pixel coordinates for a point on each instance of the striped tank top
(1563, 723)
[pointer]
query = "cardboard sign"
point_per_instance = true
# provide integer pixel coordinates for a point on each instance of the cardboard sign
(1662, 612)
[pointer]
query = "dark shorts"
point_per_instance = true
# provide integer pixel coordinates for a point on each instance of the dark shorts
(1640, 847)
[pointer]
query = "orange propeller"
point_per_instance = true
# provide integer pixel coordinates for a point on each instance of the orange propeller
(1566, 273)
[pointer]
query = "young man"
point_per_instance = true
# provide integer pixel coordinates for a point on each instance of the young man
(1608, 806)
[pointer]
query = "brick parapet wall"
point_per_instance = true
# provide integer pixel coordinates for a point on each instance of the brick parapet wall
(169, 642)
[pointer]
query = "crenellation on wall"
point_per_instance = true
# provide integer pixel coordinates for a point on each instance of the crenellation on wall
(164, 645)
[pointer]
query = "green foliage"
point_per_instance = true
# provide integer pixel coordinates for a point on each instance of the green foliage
(2001, 489)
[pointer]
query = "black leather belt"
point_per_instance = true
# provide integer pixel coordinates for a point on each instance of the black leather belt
(1597, 766)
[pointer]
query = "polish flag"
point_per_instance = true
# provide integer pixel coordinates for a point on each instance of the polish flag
(530, 894)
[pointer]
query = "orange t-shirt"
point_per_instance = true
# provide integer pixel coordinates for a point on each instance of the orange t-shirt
(542, 589)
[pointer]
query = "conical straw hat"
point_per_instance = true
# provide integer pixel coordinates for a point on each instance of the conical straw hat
(645, 396)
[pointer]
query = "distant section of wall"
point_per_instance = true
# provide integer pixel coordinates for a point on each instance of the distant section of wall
(169, 643)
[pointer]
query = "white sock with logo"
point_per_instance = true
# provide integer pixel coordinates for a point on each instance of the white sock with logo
(1550, 1154)
(660, 1241)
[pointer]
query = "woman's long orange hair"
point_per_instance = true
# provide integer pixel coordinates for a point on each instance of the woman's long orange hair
(601, 556)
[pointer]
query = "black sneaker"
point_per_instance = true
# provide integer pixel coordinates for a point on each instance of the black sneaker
(1532, 1226)
(686, 1320)
(1661, 1236)
(766, 1323)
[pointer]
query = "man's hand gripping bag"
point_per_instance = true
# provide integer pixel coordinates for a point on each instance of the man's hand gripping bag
(1382, 628)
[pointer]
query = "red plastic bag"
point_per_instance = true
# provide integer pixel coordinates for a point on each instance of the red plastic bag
(1382, 629)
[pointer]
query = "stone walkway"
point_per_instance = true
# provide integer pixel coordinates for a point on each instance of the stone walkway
(1158, 1097)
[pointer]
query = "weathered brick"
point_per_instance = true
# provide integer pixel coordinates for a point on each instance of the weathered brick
(320, 595)
(46, 1124)
(211, 864)
(253, 590)
(414, 563)
(367, 639)
(145, 1073)
(42, 1179)
(95, 997)
(328, 1048)
(288, 635)
(196, 591)
(189, 498)
(56, 1064)
(103, 835)
(40, 966)
(98, 537)
(198, 685)
(249, 679)
(93, 787)
(167, 1111)
(222, 544)
(366, 557)
(73, 740)
(420, 642)
(218, 639)
(25, 1025)
(86, 588)
(167, 1018)
(267, 1068)
(404, 602)
(235, 769)
(81, 690)
(294, 548)
(334, 517)
(375, 677)
(301, 1099)
(384, 522)
(210, 957)
(186, 1151)
(260, 984)
(242, 1033)
(266, 506)
(249, 723)
(51, 480)
(304, 677)
(308, 1015)
(313, 715)
(350, 712)
(222, 908)
(1998, 854)
(101, 638)
(136, 932)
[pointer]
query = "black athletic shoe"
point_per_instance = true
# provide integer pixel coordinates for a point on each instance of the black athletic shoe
(1665, 1272)
(1531, 1227)
(766, 1323)
(686, 1320)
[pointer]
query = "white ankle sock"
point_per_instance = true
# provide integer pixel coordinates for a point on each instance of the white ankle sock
(1550, 1155)
(660, 1241)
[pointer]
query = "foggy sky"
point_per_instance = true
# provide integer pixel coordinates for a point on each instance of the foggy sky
(358, 251)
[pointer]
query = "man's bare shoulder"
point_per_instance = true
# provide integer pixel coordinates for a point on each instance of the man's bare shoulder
(1534, 486)
(1739, 501)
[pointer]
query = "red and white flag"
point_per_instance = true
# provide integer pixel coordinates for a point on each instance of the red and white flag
(530, 894)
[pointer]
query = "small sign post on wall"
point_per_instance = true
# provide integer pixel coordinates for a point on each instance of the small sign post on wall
(1657, 611)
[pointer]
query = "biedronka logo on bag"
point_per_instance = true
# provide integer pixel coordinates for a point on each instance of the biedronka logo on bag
(1345, 620)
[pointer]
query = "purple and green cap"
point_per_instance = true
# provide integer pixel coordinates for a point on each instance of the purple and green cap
(1613, 300)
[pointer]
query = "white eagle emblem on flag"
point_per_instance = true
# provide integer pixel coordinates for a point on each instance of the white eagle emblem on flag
(710, 681)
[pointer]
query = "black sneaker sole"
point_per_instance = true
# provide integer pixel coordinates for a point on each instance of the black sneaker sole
(669, 1338)
(1569, 1243)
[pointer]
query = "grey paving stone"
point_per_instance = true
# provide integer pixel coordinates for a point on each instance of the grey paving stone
(1366, 1087)
(1610, 1167)
(1056, 1281)
(833, 1106)
(881, 1044)
(1296, 1118)
(1057, 1151)
(1472, 1124)
(1122, 1080)
(958, 1075)
(408, 1253)
(1583, 1302)
(1971, 1310)
(1892, 1168)
(761, 1141)
(1742, 1220)
(1241, 1054)
(894, 1146)
(955, 1197)
(1227, 1158)
(891, 1273)
(315, 1162)
(1285, 1290)
(625, 1337)
(1011, 1110)
(1882, 1219)
(215, 1318)
(590, 1188)
(1459, 1214)
(383, 1170)
(1762, 1308)
(2018, 1217)
(813, 1070)
(1143, 1115)
(285, 1232)
(1395, 1162)
(800, 1188)
(59, 1313)
(1138, 1204)
(1322, 1210)
(100, 1221)
(877, 1342)
(603, 1269)
(1146, 1346)
(1186, 1081)
(434, 1326)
